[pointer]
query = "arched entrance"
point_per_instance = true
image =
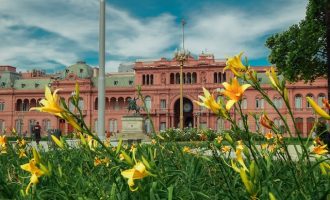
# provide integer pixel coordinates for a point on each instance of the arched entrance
(188, 119)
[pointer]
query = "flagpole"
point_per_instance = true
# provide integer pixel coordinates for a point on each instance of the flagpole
(101, 80)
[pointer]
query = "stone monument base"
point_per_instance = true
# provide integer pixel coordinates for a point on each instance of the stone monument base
(133, 128)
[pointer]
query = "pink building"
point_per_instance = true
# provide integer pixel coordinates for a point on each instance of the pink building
(160, 86)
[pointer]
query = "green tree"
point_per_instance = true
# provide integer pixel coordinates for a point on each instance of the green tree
(302, 52)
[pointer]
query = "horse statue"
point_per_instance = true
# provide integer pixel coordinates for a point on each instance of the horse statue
(132, 105)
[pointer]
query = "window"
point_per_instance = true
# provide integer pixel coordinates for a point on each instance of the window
(259, 103)
(46, 124)
(171, 78)
(310, 124)
(308, 105)
(81, 70)
(71, 106)
(147, 126)
(244, 103)
(113, 125)
(36, 85)
(2, 126)
(18, 125)
(278, 123)
(319, 99)
(2, 106)
(23, 85)
(115, 82)
(298, 101)
(163, 104)
(300, 124)
(81, 104)
(278, 102)
(220, 124)
(148, 102)
(96, 104)
(130, 82)
(162, 126)
(143, 79)
(26, 105)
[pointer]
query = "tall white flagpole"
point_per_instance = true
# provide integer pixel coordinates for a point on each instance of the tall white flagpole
(101, 80)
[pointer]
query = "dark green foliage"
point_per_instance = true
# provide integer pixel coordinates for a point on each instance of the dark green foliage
(299, 53)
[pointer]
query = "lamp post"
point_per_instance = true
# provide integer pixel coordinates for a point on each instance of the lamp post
(181, 56)
(101, 80)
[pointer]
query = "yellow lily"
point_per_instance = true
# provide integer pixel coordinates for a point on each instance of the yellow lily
(318, 109)
(234, 92)
(219, 139)
(209, 102)
(97, 161)
(137, 172)
(21, 142)
(225, 149)
(269, 136)
(35, 173)
(22, 153)
(186, 149)
(273, 78)
(235, 65)
(240, 160)
(3, 141)
(320, 149)
(50, 104)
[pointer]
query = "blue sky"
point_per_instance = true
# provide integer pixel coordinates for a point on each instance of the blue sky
(53, 34)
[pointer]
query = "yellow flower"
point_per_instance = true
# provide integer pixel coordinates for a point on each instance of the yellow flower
(50, 104)
(133, 148)
(35, 173)
(209, 102)
(326, 103)
(219, 139)
(91, 143)
(137, 172)
(269, 136)
(234, 92)
(264, 146)
(273, 78)
(225, 149)
(121, 157)
(186, 149)
(240, 145)
(21, 142)
(320, 149)
(239, 159)
(266, 122)
(3, 141)
(153, 141)
(22, 153)
(97, 161)
(235, 65)
(318, 109)
(106, 161)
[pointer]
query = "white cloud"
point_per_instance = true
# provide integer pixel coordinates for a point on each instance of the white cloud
(69, 29)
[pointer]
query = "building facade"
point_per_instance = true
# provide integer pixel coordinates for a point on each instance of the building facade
(160, 83)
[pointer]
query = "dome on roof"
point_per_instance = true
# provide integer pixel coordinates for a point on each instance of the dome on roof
(80, 69)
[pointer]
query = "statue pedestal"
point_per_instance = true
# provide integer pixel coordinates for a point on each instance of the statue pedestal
(133, 128)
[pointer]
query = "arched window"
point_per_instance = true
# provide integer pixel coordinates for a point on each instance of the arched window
(113, 103)
(2, 106)
(71, 106)
(300, 124)
(46, 125)
(310, 124)
(121, 103)
(215, 77)
(19, 105)
(220, 124)
(188, 77)
(151, 79)
(259, 103)
(2, 126)
(244, 103)
(224, 77)
(19, 126)
(147, 79)
(177, 78)
(81, 103)
(33, 103)
(96, 104)
(148, 102)
(298, 101)
(194, 77)
(26, 105)
(319, 99)
(143, 79)
(171, 78)
(184, 78)
(308, 105)
(32, 122)
(278, 102)
(147, 126)
(113, 125)
(219, 77)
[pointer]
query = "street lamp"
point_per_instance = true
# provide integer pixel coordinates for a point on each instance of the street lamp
(181, 56)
